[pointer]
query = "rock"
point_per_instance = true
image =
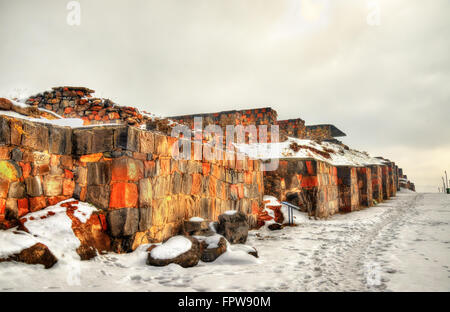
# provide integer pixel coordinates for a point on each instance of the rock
(275, 226)
(209, 254)
(36, 254)
(234, 227)
(187, 259)
(5, 104)
(196, 227)
(123, 222)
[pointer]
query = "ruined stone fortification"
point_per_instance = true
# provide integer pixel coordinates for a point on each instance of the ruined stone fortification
(125, 163)
(129, 173)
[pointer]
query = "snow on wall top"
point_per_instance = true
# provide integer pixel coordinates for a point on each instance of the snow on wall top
(334, 154)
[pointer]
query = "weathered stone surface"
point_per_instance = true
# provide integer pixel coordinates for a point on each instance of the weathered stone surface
(188, 259)
(37, 203)
(53, 185)
(36, 254)
(234, 227)
(16, 154)
(275, 226)
(5, 132)
(16, 190)
(145, 193)
(35, 136)
(145, 218)
(11, 209)
(60, 140)
(5, 104)
(98, 173)
(123, 222)
(195, 227)
(127, 169)
(211, 254)
(147, 140)
(103, 139)
(98, 195)
(123, 195)
(9, 170)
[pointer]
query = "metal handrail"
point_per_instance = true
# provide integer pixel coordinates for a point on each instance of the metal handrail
(290, 211)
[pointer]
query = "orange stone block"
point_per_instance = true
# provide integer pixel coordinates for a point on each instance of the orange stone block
(22, 206)
(248, 177)
(56, 199)
(91, 157)
(68, 187)
(196, 183)
(241, 191)
(127, 170)
(123, 195)
(68, 110)
(2, 209)
(37, 203)
(212, 187)
(68, 174)
(165, 166)
(4, 187)
(255, 207)
(206, 168)
(309, 181)
(4, 152)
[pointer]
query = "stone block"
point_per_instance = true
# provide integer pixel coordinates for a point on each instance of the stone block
(127, 169)
(147, 142)
(9, 170)
(34, 186)
(5, 131)
(60, 140)
(98, 195)
(176, 183)
(35, 136)
(68, 187)
(145, 218)
(102, 140)
(4, 188)
(145, 193)
(123, 222)
(53, 185)
(98, 173)
(17, 190)
(11, 209)
(37, 203)
(123, 195)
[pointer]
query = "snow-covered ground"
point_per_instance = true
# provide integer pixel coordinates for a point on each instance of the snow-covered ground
(402, 244)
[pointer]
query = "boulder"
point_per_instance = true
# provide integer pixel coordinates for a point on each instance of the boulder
(196, 226)
(36, 254)
(5, 104)
(213, 247)
(275, 226)
(167, 252)
(233, 225)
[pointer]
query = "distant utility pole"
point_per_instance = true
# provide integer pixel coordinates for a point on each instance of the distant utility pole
(446, 178)
(443, 183)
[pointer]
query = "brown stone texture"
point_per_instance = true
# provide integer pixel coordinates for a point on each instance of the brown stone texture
(308, 184)
(348, 189)
(365, 186)
(36, 254)
(377, 185)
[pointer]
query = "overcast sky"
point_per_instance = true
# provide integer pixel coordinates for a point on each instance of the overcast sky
(387, 86)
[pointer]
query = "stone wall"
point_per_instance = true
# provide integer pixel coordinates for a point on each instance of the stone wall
(261, 116)
(309, 184)
(77, 102)
(365, 186)
(377, 183)
(348, 189)
(386, 182)
(36, 167)
(293, 128)
(130, 174)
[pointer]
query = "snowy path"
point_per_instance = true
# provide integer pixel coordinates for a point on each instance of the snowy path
(402, 244)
